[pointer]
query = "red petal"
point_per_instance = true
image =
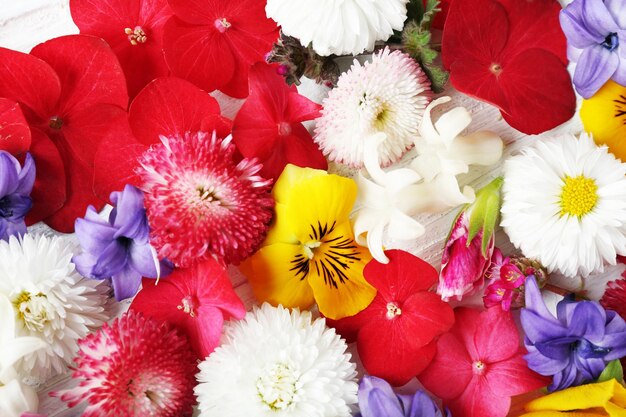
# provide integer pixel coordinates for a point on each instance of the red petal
(474, 78)
(14, 131)
(403, 276)
(512, 377)
(88, 69)
(29, 81)
(440, 18)
(466, 321)
(386, 352)
(478, 400)
(199, 12)
(198, 54)
(427, 315)
(218, 124)
(542, 91)
(267, 110)
(475, 30)
(496, 336)
(450, 372)
(49, 191)
(142, 64)
(349, 327)
(116, 161)
(169, 106)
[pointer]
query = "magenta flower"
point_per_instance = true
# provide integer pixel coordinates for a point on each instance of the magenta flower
(506, 282)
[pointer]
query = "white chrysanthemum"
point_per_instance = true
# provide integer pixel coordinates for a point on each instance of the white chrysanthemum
(277, 363)
(51, 301)
(565, 204)
(340, 27)
(387, 95)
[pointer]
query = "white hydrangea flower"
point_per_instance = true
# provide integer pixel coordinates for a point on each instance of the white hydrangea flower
(50, 300)
(278, 363)
(340, 27)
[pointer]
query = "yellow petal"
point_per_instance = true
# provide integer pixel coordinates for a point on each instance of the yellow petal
(615, 410)
(290, 178)
(270, 272)
(336, 275)
(586, 413)
(280, 230)
(604, 116)
(579, 398)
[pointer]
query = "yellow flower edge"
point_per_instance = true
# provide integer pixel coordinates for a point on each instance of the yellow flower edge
(310, 254)
(604, 117)
(600, 399)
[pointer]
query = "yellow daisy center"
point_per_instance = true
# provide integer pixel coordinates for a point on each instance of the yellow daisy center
(579, 196)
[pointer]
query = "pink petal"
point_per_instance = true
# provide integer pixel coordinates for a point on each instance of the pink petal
(513, 377)
(496, 336)
(479, 401)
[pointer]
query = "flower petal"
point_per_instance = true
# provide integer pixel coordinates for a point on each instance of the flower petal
(594, 68)
(512, 377)
(126, 283)
(15, 135)
(496, 336)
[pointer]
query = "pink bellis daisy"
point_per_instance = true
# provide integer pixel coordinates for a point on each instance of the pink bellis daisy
(201, 203)
(134, 367)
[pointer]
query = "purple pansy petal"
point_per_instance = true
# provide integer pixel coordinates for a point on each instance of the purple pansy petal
(588, 320)
(130, 215)
(112, 260)
(616, 8)
(94, 237)
(595, 67)
(126, 283)
(423, 406)
(8, 174)
(26, 178)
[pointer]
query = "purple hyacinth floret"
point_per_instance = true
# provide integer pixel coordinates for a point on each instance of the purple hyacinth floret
(596, 40)
(575, 346)
(16, 184)
(119, 248)
(377, 399)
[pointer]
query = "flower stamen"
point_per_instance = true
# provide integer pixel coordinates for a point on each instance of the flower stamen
(393, 311)
(222, 25)
(136, 35)
(578, 196)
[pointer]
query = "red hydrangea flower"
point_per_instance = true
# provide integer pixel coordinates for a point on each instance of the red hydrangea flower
(213, 43)
(512, 54)
(269, 125)
(167, 106)
(133, 367)
(196, 300)
(133, 29)
(479, 365)
(72, 92)
(396, 335)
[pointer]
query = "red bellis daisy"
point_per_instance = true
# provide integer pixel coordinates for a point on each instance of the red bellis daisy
(196, 300)
(133, 29)
(72, 93)
(167, 106)
(396, 335)
(213, 43)
(201, 203)
(134, 367)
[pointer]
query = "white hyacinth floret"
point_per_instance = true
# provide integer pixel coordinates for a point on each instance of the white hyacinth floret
(278, 363)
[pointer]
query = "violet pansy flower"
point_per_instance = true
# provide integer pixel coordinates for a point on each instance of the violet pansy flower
(119, 248)
(16, 183)
(596, 38)
(575, 346)
(377, 399)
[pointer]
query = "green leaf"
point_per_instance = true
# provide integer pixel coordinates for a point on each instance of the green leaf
(438, 77)
(613, 370)
(428, 55)
(432, 8)
(484, 213)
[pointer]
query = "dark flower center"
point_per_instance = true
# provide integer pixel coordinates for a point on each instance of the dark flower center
(6, 208)
(124, 241)
(496, 69)
(588, 350)
(611, 42)
(56, 122)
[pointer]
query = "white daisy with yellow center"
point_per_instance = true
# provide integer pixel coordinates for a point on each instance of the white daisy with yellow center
(565, 204)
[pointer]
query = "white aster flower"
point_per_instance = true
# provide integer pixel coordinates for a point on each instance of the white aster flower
(565, 204)
(50, 300)
(442, 150)
(387, 95)
(277, 363)
(340, 27)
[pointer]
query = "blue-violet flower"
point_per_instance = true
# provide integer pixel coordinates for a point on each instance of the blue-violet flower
(119, 248)
(596, 38)
(16, 183)
(377, 399)
(575, 346)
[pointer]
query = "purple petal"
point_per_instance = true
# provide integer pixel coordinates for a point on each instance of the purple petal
(542, 365)
(85, 263)
(590, 369)
(94, 235)
(595, 67)
(381, 405)
(26, 178)
(14, 207)
(129, 215)
(423, 406)
(126, 283)
(557, 349)
(534, 300)
(588, 320)
(564, 378)
(573, 23)
(384, 395)
(617, 8)
(538, 328)
(619, 76)
(8, 174)
(142, 259)
(573, 54)
(13, 228)
(110, 261)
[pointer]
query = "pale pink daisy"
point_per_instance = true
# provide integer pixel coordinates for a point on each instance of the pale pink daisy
(201, 203)
(134, 367)
(387, 95)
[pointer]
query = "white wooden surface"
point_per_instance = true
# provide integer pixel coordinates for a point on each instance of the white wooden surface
(25, 23)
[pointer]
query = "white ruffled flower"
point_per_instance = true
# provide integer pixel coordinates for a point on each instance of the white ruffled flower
(340, 27)
(565, 204)
(387, 201)
(278, 363)
(50, 300)
(387, 95)
(15, 397)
